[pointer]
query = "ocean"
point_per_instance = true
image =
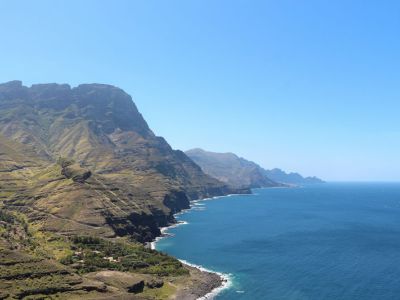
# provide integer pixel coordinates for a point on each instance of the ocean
(327, 241)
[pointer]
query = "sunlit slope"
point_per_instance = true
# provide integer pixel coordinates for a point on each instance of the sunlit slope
(137, 180)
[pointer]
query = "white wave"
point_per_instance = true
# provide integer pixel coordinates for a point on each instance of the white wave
(226, 280)
(165, 234)
(198, 208)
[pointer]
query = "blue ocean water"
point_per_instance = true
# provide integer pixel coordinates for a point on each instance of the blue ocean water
(328, 241)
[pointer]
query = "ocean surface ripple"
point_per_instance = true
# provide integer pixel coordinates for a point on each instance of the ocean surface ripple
(328, 241)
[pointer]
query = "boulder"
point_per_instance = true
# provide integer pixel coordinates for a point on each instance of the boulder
(154, 283)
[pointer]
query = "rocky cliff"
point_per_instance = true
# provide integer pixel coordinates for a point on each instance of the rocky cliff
(84, 183)
(84, 160)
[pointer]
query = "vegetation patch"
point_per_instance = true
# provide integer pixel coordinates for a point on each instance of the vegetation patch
(92, 254)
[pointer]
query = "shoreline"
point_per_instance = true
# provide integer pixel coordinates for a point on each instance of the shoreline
(211, 289)
(193, 205)
(225, 280)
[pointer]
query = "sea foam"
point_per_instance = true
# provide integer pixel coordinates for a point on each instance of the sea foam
(226, 280)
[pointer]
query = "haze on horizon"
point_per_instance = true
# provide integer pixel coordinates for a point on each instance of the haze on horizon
(311, 87)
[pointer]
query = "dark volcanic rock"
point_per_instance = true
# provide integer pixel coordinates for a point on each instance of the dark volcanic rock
(177, 201)
(76, 173)
(155, 284)
(136, 287)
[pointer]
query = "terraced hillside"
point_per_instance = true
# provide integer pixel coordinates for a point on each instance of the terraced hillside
(82, 162)
(134, 180)
(35, 264)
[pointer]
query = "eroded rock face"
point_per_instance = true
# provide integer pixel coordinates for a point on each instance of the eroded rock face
(82, 163)
(125, 179)
(76, 173)
(177, 200)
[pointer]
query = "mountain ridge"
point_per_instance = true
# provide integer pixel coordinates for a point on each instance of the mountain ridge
(240, 172)
(84, 184)
(291, 177)
(100, 128)
(231, 169)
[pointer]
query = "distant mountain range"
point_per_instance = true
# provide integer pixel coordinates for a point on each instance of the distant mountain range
(231, 169)
(239, 172)
(291, 178)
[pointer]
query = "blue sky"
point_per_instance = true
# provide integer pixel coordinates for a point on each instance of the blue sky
(308, 86)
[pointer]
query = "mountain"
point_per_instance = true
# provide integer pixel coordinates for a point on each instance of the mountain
(137, 181)
(231, 169)
(81, 172)
(291, 178)
(239, 172)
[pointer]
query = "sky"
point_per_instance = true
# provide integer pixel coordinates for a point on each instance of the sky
(303, 85)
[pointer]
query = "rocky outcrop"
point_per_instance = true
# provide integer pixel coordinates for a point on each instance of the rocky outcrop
(76, 173)
(177, 201)
(155, 283)
(201, 284)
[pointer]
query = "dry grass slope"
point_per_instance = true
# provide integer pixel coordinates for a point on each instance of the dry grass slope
(83, 162)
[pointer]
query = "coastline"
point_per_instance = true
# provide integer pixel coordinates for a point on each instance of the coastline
(205, 283)
(213, 282)
(193, 205)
